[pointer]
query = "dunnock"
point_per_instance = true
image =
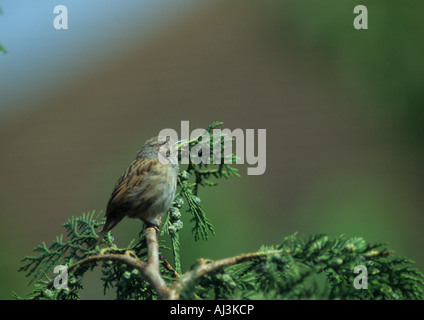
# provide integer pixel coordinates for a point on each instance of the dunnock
(147, 188)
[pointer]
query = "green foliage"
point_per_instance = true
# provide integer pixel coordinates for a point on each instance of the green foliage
(319, 267)
(126, 281)
(295, 271)
(83, 233)
(2, 49)
(82, 237)
(187, 196)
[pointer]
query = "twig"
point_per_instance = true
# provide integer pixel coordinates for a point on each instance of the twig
(150, 270)
(208, 267)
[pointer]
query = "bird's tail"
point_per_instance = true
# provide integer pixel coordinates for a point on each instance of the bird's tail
(110, 223)
(101, 236)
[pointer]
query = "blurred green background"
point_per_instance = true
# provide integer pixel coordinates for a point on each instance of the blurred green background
(343, 110)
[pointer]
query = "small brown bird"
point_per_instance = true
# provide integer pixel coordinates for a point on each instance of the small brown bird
(147, 188)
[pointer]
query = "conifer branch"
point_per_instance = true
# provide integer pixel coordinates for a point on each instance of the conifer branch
(206, 266)
(2, 49)
(150, 270)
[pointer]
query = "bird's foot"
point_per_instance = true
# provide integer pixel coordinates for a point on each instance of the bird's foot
(149, 225)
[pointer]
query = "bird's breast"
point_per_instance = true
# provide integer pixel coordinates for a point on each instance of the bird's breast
(155, 194)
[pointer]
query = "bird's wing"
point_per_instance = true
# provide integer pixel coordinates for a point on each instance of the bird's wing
(132, 177)
(120, 202)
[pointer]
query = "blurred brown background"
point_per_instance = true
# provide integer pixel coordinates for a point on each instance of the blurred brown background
(342, 109)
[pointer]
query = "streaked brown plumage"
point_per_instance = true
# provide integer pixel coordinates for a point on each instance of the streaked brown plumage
(147, 188)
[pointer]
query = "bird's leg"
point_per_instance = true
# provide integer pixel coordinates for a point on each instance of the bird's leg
(151, 224)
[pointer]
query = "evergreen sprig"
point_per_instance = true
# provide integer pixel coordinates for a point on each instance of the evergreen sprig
(299, 265)
(2, 49)
(82, 236)
(320, 267)
(188, 190)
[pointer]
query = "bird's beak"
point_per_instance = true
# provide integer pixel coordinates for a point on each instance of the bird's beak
(181, 143)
